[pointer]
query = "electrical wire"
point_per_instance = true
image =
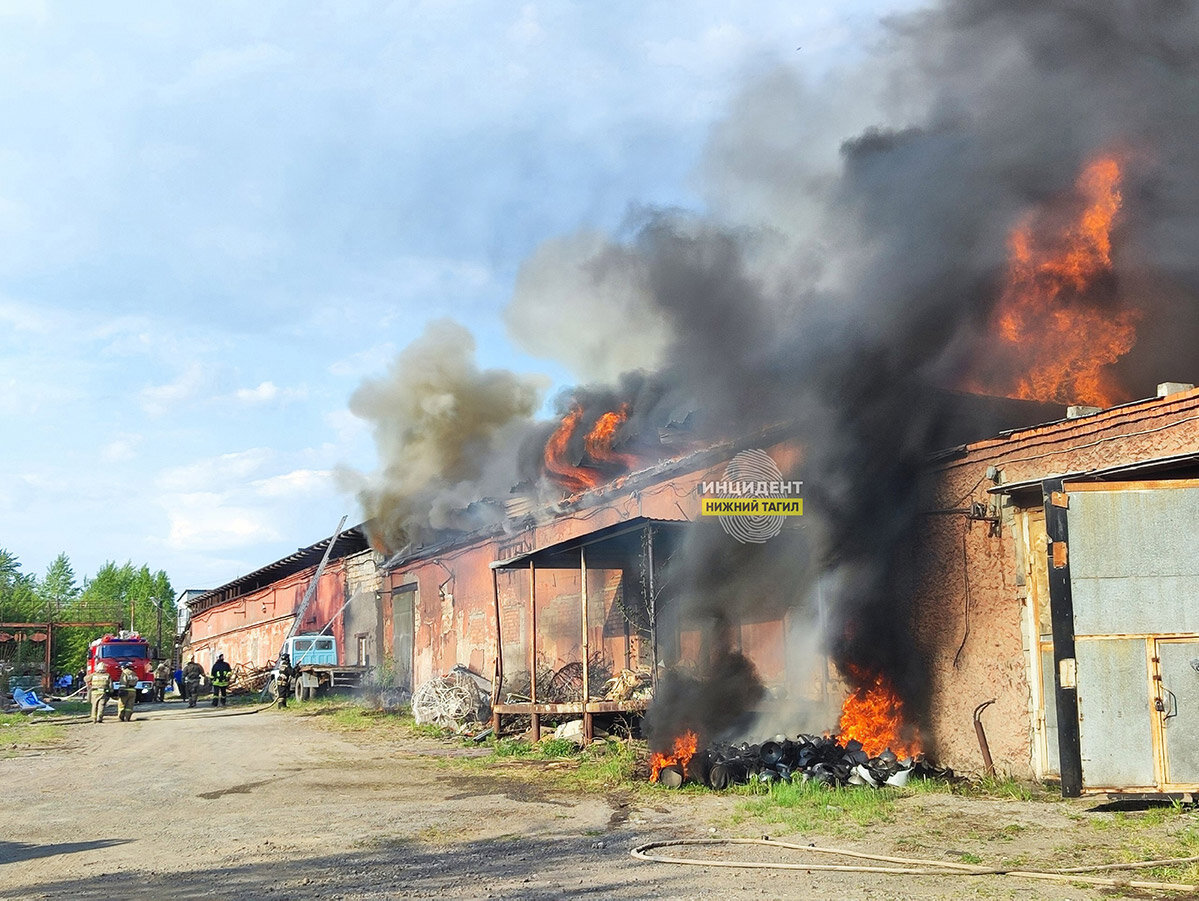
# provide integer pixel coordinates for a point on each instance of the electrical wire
(907, 866)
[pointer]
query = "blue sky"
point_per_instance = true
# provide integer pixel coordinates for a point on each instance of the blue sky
(217, 220)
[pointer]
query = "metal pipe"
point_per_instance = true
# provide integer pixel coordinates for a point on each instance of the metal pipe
(988, 765)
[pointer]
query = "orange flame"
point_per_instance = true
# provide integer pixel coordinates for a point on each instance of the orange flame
(569, 476)
(680, 756)
(1054, 345)
(598, 447)
(598, 442)
(873, 714)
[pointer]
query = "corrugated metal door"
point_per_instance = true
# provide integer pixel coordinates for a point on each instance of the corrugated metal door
(1134, 580)
(1178, 660)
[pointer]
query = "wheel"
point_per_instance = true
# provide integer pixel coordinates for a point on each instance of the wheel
(309, 694)
(298, 691)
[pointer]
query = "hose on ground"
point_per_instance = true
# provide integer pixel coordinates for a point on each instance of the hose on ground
(907, 866)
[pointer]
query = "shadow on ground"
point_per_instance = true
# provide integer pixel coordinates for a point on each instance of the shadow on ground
(14, 852)
(515, 868)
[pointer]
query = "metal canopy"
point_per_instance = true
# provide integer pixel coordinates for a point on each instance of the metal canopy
(1157, 464)
(610, 545)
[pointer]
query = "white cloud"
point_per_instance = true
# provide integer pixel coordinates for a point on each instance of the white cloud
(299, 482)
(159, 399)
(206, 521)
(527, 29)
(24, 317)
(226, 64)
(216, 473)
(122, 448)
(371, 361)
(264, 393)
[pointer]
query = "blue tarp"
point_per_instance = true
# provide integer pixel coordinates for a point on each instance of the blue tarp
(28, 700)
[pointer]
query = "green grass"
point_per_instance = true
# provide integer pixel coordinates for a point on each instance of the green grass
(808, 807)
(20, 731)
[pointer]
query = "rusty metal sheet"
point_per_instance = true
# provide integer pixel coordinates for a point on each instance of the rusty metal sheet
(1134, 561)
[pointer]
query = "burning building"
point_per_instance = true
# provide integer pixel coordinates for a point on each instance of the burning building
(1009, 232)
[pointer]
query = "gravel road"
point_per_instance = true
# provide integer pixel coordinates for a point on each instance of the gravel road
(234, 804)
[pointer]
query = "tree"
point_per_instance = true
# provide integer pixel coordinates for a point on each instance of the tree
(18, 591)
(58, 589)
(113, 594)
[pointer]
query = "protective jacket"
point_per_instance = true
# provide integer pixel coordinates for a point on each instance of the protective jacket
(100, 682)
(221, 674)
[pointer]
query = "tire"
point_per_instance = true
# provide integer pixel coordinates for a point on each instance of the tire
(309, 694)
(298, 691)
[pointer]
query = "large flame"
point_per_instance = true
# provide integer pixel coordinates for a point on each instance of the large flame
(597, 444)
(565, 473)
(873, 714)
(680, 755)
(1054, 342)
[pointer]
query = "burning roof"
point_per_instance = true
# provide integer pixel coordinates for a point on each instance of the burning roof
(1016, 216)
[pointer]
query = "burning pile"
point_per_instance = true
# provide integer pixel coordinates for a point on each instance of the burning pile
(820, 759)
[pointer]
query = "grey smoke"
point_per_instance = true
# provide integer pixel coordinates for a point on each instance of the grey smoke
(846, 267)
(447, 434)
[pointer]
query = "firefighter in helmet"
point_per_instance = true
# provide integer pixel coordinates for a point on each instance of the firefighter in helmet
(222, 675)
(126, 692)
(162, 678)
(192, 674)
(99, 685)
(283, 674)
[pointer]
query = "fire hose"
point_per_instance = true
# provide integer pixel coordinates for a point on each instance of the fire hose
(907, 866)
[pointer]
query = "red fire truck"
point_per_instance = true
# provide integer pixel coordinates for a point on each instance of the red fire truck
(112, 651)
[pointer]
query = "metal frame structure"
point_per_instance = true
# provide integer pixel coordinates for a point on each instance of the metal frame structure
(563, 556)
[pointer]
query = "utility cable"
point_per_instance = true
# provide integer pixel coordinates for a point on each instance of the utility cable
(908, 866)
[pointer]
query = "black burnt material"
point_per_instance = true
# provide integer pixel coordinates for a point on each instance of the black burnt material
(806, 758)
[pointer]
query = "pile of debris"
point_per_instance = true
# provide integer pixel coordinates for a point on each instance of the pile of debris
(820, 759)
(452, 701)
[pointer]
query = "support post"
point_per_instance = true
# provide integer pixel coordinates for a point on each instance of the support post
(535, 717)
(498, 668)
(652, 603)
(47, 677)
(588, 731)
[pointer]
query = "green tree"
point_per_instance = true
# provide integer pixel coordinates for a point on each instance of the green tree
(58, 589)
(18, 591)
(113, 595)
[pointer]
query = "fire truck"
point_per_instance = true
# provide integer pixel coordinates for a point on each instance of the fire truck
(111, 651)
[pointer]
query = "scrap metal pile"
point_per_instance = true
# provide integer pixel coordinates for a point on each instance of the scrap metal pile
(820, 759)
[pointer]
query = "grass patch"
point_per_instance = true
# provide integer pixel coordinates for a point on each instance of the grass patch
(20, 731)
(808, 807)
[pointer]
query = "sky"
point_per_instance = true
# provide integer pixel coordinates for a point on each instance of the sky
(217, 221)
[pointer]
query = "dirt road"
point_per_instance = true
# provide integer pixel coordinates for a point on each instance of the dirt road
(186, 804)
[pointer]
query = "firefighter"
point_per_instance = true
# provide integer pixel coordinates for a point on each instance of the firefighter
(162, 678)
(283, 676)
(221, 676)
(99, 685)
(192, 674)
(126, 692)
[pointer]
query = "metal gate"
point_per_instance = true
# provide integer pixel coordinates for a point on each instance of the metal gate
(1124, 588)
